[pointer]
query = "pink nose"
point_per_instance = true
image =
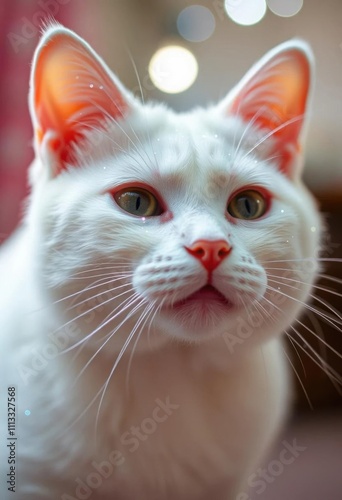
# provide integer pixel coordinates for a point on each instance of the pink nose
(210, 253)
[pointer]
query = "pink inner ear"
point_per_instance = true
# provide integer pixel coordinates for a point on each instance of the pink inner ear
(274, 99)
(73, 92)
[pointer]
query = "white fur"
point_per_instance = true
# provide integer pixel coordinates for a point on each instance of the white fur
(232, 398)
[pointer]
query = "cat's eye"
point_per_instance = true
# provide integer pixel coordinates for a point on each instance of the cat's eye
(247, 205)
(138, 202)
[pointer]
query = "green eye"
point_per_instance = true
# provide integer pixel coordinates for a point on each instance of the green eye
(247, 205)
(139, 202)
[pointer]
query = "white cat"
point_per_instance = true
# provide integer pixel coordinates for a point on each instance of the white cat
(144, 296)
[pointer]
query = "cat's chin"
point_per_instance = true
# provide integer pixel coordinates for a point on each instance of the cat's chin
(204, 298)
(200, 315)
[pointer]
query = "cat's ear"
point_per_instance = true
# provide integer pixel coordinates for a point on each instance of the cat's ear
(71, 92)
(273, 97)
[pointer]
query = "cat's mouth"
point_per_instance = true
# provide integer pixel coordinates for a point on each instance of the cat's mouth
(208, 294)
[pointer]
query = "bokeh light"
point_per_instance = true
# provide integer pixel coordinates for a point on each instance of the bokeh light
(246, 12)
(286, 8)
(173, 69)
(196, 23)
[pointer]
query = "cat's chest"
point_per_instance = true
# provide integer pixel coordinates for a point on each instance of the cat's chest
(169, 417)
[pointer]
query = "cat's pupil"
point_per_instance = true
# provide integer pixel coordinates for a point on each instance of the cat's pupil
(139, 202)
(248, 206)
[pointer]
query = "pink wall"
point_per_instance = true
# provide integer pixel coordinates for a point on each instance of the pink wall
(20, 24)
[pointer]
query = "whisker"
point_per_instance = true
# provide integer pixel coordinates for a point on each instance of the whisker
(95, 284)
(152, 319)
(129, 301)
(305, 259)
(273, 305)
(154, 158)
(122, 306)
(331, 278)
(92, 297)
(121, 353)
(272, 132)
(296, 372)
(103, 272)
(296, 351)
(86, 312)
(315, 323)
(316, 358)
(247, 128)
(262, 308)
(319, 338)
(327, 277)
(146, 313)
(103, 265)
(317, 287)
(90, 404)
(109, 337)
(322, 314)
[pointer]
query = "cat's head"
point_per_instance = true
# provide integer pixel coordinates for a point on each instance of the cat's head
(152, 224)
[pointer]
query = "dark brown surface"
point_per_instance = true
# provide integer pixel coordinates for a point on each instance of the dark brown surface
(320, 390)
(315, 473)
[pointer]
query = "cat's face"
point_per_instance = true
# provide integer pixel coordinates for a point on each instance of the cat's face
(171, 225)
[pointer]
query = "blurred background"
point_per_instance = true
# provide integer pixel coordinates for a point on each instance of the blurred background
(187, 54)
